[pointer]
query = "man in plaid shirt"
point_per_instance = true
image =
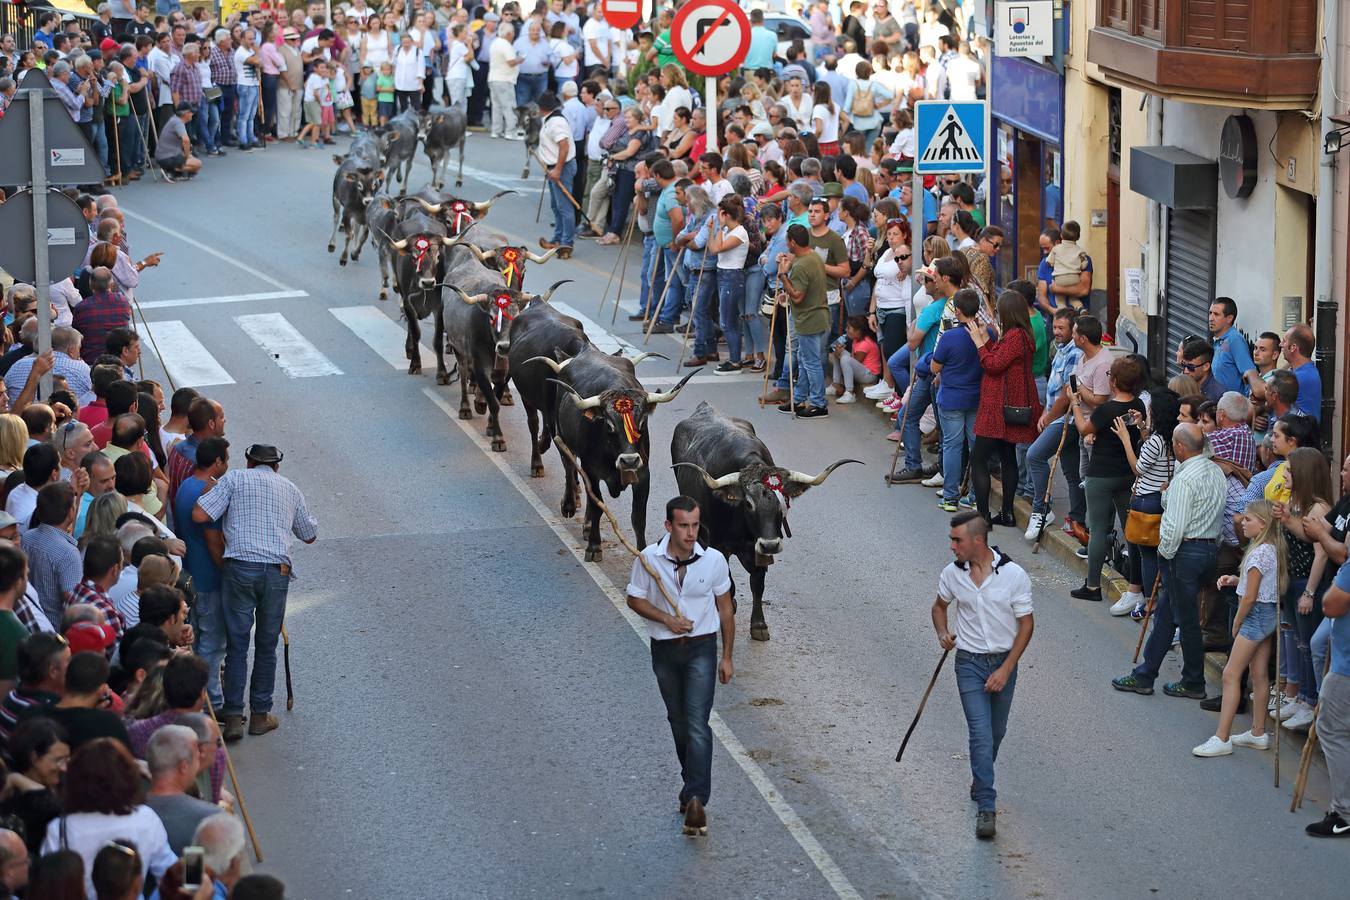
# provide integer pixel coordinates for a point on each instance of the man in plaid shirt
(262, 513)
(223, 76)
(102, 566)
(101, 312)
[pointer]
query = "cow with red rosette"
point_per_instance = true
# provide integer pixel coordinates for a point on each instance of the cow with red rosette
(722, 463)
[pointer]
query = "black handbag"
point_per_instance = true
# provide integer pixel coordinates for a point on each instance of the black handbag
(1019, 416)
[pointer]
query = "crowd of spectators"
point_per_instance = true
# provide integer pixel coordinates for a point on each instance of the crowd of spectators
(133, 564)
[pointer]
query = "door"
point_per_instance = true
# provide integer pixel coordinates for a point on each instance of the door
(1189, 285)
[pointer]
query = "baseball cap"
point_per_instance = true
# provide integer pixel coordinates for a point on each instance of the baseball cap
(492, 17)
(107, 44)
(89, 636)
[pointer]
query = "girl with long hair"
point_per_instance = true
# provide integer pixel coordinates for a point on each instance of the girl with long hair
(824, 121)
(1263, 578)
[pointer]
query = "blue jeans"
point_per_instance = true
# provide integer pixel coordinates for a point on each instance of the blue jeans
(674, 296)
(810, 358)
(986, 717)
(528, 89)
(653, 273)
(787, 329)
(208, 636)
(248, 110)
(228, 103)
(252, 590)
(898, 363)
(1147, 556)
(730, 295)
(1024, 476)
(208, 124)
(564, 223)
(1319, 647)
(756, 340)
(958, 433)
(1182, 576)
(686, 673)
(1039, 454)
(920, 397)
(704, 285)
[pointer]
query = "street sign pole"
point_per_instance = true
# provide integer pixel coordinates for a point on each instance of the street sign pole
(710, 110)
(37, 147)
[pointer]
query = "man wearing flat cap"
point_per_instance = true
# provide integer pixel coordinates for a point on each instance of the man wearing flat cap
(260, 512)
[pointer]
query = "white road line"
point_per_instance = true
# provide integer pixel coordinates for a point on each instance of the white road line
(598, 335)
(819, 856)
(296, 356)
(228, 298)
(381, 333)
(184, 357)
(205, 248)
(668, 380)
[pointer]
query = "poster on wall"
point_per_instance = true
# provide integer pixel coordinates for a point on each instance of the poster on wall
(1024, 28)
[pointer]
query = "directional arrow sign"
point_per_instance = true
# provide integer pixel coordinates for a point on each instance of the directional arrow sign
(67, 233)
(710, 37)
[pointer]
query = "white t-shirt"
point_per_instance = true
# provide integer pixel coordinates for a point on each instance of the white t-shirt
(962, 76)
(735, 257)
(500, 55)
(618, 47)
(458, 65)
(310, 44)
(555, 130)
(562, 49)
(88, 833)
(409, 67)
(1262, 559)
(598, 129)
(378, 50)
(799, 112)
(825, 123)
(665, 113)
(719, 190)
(247, 73)
(891, 291)
(598, 31)
(316, 87)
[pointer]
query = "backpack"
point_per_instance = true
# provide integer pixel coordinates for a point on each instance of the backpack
(864, 104)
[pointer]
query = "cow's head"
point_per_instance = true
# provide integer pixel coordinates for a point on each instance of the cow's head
(503, 304)
(619, 418)
(425, 250)
(530, 122)
(510, 261)
(459, 214)
(366, 180)
(763, 495)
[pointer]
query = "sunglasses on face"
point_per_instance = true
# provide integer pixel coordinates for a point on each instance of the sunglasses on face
(903, 256)
(997, 245)
(1191, 367)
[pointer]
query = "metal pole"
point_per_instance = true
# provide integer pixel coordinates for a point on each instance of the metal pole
(37, 149)
(710, 111)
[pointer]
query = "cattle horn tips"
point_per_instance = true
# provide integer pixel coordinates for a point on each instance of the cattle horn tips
(643, 357)
(477, 253)
(667, 396)
(803, 478)
(553, 364)
(536, 258)
(548, 294)
(713, 484)
(399, 245)
(430, 208)
(476, 298)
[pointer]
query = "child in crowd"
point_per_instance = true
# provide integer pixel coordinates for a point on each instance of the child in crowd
(384, 92)
(318, 98)
(1067, 259)
(369, 113)
(856, 358)
(1263, 579)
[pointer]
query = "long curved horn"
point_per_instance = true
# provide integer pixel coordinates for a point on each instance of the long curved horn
(713, 484)
(479, 254)
(659, 397)
(642, 357)
(430, 208)
(803, 478)
(553, 364)
(534, 257)
(399, 245)
(546, 295)
(583, 403)
(485, 205)
(476, 298)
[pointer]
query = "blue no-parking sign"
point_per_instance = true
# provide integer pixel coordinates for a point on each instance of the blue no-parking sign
(950, 136)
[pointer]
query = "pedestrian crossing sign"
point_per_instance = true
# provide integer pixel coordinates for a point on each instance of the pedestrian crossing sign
(950, 136)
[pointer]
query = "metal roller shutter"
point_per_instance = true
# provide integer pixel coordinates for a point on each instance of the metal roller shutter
(1190, 277)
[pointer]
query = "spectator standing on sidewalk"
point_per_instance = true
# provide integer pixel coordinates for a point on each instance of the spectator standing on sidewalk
(1232, 357)
(1333, 719)
(261, 511)
(956, 363)
(803, 279)
(992, 629)
(1187, 546)
(1298, 347)
(1051, 426)
(503, 71)
(204, 554)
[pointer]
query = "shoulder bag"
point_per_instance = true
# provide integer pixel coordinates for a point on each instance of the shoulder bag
(1142, 528)
(1019, 416)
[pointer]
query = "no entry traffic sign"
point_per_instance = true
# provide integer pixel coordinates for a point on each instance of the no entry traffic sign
(710, 37)
(623, 13)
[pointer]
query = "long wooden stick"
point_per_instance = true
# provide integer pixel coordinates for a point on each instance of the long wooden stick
(1279, 696)
(623, 270)
(148, 333)
(660, 304)
(286, 656)
(238, 794)
(623, 256)
(899, 444)
(1045, 501)
(614, 524)
(773, 322)
(693, 314)
(1148, 611)
(922, 703)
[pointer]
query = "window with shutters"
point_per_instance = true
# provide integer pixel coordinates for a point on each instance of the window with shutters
(1189, 283)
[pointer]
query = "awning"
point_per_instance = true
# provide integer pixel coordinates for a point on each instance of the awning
(77, 7)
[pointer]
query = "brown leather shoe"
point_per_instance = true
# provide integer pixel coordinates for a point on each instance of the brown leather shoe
(233, 728)
(261, 723)
(547, 244)
(695, 819)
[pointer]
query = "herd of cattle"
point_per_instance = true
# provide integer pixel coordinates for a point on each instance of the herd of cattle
(471, 284)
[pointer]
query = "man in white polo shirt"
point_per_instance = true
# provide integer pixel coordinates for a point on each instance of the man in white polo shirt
(993, 627)
(684, 643)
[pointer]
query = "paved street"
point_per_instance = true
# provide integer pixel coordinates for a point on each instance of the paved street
(475, 715)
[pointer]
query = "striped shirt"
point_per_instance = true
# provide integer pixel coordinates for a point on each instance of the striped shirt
(262, 512)
(75, 371)
(1192, 505)
(16, 706)
(54, 567)
(1154, 466)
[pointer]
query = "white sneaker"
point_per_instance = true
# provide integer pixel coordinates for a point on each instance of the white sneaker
(1287, 710)
(1176, 637)
(1286, 701)
(1301, 719)
(1081, 553)
(1128, 601)
(1247, 739)
(935, 480)
(1214, 747)
(846, 397)
(879, 391)
(1038, 521)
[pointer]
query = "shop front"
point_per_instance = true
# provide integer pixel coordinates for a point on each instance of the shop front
(1027, 119)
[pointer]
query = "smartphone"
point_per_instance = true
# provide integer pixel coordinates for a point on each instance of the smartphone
(1073, 383)
(194, 866)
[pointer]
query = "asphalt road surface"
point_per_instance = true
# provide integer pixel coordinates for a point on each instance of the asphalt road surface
(475, 715)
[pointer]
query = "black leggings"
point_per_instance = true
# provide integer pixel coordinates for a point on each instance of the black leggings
(984, 448)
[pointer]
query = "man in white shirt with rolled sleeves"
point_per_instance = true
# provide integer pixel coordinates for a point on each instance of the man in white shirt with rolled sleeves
(993, 627)
(684, 611)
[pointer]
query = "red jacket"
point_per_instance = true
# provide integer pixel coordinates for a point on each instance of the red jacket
(1007, 381)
